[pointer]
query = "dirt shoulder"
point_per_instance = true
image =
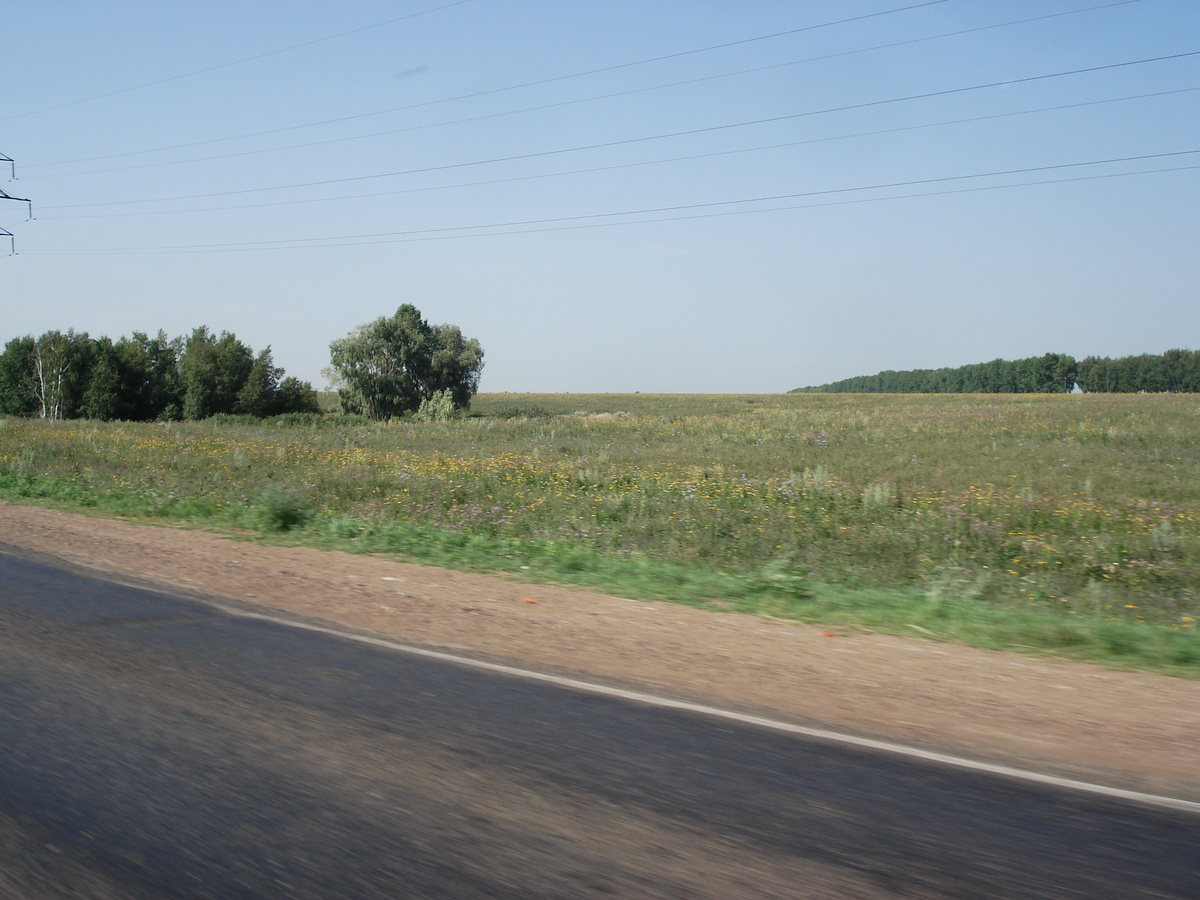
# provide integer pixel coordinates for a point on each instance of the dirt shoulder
(1126, 729)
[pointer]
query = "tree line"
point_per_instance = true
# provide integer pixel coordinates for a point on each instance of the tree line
(143, 379)
(1176, 371)
(1052, 373)
(387, 368)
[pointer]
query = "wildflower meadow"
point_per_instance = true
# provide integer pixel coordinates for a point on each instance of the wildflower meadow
(1060, 523)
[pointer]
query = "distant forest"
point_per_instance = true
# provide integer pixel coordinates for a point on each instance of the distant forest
(140, 379)
(1176, 371)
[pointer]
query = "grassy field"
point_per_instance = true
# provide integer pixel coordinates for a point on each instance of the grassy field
(1067, 524)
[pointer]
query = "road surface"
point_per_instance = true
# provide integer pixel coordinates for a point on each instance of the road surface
(155, 746)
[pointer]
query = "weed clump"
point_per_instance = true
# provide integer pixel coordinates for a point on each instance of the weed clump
(522, 412)
(782, 576)
(282, 510)
(438, 408)
(298, 419)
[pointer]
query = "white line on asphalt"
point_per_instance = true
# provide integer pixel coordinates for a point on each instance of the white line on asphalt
(718, 713)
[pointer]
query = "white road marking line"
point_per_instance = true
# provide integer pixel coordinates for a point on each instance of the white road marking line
(773, 724)
(1189, 806)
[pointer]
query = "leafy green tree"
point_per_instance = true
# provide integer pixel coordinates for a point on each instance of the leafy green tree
(387, 367)
(60, 368)
(214, 372)
(102, 394)
(152, 387)
(1053, 373)
(455, 365)
(198, 373)
(296, 396)
(381, 365)
(258, 394)
(58, 376)
(1096, 375)
(265, 394)
(1189, 371)
(18, 394)
(139, 378)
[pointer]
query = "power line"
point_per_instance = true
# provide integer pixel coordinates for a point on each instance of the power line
(236, 62)
(609, 96)
(557, 105)
(744, 212)
(641, 163)
(657, 137)
(513, 87)
(678, 218)
(558, 223)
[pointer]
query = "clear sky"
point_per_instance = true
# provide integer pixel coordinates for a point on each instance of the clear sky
(613, 196)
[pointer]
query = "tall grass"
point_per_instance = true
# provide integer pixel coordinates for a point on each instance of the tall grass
(1073, 519)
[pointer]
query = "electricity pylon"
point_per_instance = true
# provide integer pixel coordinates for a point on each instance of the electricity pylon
(4, 195)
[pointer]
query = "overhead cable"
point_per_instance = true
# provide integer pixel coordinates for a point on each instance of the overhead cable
(632, 165)
(236, 62)
(560, 222)
(662, 219)
(632, 91)
(638, 140)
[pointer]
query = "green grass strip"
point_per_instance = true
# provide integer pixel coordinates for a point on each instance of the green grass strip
(281, 518)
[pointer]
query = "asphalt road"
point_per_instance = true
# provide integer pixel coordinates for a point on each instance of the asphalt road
(153, 746)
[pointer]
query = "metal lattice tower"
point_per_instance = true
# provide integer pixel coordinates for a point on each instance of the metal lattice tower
(4, 195)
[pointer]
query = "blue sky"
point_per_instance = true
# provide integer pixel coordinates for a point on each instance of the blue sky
(780, 211)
